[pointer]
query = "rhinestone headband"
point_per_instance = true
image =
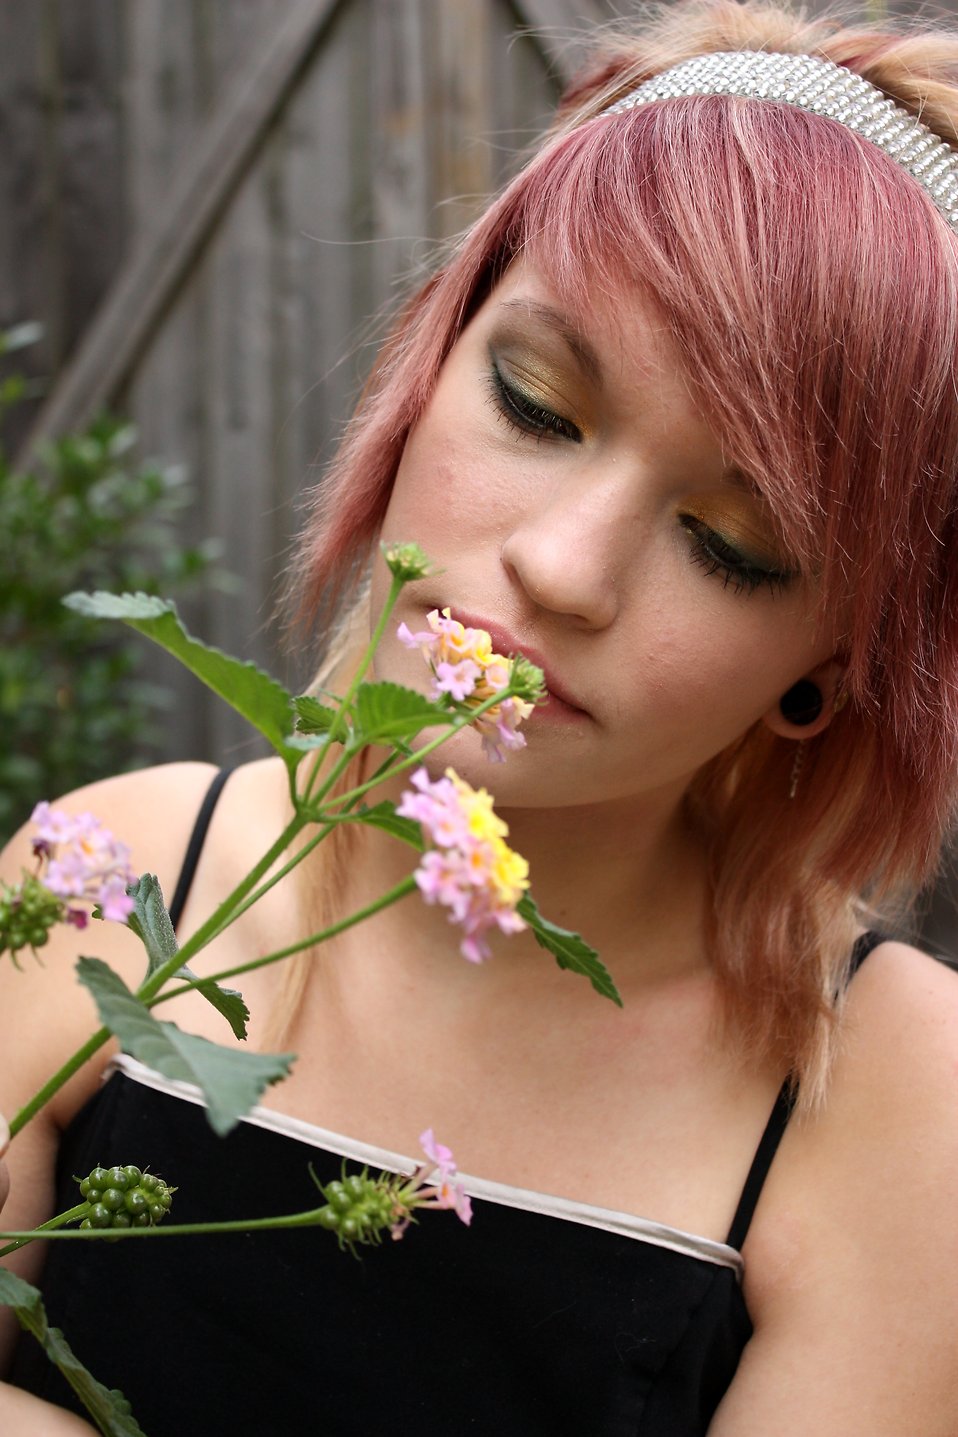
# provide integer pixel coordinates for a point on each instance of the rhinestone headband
(823, 88)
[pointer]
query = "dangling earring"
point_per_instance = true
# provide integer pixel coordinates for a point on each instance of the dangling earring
(798, 763)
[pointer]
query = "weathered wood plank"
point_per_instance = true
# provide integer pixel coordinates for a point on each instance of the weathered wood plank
(143, 290)
(91, 229)
(30, 250)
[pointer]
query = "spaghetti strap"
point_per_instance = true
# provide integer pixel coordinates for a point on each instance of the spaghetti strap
(195, 846)
(778, 1122)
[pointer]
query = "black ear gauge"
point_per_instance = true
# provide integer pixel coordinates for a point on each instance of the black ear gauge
(802, 704)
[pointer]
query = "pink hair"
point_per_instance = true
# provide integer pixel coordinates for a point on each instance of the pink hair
(813, 291)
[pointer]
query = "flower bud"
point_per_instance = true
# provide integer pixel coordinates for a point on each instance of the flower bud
(407, 562)
(27, 913)
(526, 680)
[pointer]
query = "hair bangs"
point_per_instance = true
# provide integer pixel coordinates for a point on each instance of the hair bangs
(810, 288)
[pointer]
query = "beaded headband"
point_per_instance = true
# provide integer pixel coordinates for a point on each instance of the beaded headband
(823, 88)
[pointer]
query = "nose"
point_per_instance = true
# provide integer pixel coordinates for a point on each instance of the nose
(566, 552)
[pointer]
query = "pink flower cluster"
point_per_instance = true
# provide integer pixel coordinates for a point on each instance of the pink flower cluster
(433, 1184)
(470, 869)
(83, 860)
(464, 667)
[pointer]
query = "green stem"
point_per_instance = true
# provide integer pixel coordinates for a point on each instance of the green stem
(395, 589)
(330, 821)
(186, 1229)
(54, 1084)
(214, 924)
(460, 722)
(406, 885)
(264, 887)
(51, 1225)
(218, 920)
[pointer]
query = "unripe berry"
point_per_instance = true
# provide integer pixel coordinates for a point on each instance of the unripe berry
(121, 1197)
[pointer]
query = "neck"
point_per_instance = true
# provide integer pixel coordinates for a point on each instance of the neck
(630, 877)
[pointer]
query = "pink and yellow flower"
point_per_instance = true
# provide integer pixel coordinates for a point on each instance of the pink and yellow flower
(465, 667)
(83, 861)
(470, 869)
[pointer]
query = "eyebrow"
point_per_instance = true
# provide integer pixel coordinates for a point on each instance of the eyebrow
(561, 325)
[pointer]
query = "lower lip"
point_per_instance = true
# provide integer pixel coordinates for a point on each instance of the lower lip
(556, 710)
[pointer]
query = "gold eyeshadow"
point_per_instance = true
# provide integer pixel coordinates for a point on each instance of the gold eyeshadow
(541, 381)
(736, 518)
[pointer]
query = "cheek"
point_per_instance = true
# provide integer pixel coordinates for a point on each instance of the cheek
(712, 669)
(448, 495)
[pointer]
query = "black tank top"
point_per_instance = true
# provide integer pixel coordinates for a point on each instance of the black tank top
(545, 1318)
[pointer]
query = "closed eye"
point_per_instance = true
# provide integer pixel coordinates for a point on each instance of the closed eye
(525, 413)
(717, 556)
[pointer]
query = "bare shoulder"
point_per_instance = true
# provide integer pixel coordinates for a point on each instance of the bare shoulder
(852, 1262)
(152, 810)
(146, 808)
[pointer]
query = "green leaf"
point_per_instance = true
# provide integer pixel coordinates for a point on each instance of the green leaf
(108, 1408)
(150, 920)
(246, 688)
(390, 711)
(231, 1081)
(569, 949)
(312, 716)
(383, 815)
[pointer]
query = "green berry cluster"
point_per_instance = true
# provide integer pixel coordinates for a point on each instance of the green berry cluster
(27, 913)
(124, 1197)
(358, 1209)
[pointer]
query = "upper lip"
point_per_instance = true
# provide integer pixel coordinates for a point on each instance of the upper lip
(503, 642)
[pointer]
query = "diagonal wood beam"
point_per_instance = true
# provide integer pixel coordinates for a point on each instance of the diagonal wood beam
(146, 284)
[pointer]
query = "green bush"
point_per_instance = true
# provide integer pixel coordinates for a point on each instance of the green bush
(74, 704)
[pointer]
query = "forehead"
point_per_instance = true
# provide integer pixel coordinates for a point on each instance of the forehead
(607, 337)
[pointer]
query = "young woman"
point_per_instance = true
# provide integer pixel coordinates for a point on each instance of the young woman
(677, 419)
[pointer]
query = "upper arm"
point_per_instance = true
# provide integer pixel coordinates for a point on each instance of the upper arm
(45, 1015)
(853, 1259)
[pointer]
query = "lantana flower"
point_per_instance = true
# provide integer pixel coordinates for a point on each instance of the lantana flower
(83, 861)
(465, 667)
(435, 1183)
(360, 1208)
(470, 869)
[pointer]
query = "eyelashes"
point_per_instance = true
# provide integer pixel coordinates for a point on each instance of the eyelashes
(708, 549)
(524, 414)
(716, 556)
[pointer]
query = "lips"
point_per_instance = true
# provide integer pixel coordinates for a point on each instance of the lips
(505, 643)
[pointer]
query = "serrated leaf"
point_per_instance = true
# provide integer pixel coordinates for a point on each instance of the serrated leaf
(390, 711)
(108, 1407)
(150, 920)
(383, 815)
(570, 950)
(244, 686)
(231, 1081)
(312, 716)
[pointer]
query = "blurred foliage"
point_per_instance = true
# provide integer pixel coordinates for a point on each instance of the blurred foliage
(75, 703)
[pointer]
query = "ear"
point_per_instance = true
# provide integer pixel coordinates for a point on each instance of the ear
(795, 716)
